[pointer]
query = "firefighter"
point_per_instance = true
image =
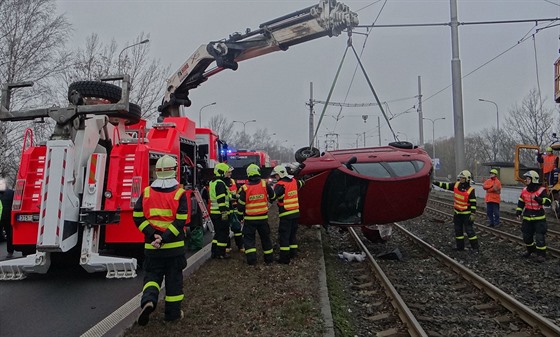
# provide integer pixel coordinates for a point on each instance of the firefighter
(234, 223)
(220, 210)
(530, 206)
(493, 188)
(286, 190)
(549, 163)
(252, 207)
(161, 213)
(464, 208)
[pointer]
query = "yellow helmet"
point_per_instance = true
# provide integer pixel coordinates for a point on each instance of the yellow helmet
(533, 175)
(279, 170)
(220, 169)
(549, 149)
(166, 167)
(253, 170)
(494, 171)
(465, 174)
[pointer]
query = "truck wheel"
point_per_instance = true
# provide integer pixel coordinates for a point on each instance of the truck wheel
(132, 117)
(402, 145)
(306, 152)
(103, 90)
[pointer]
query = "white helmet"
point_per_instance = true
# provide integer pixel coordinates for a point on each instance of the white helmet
(533, 175)
(465, 174)
(280, 170)
(166, 167)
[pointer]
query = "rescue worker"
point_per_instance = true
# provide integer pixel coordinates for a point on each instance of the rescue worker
(220, 210)
(464, 208)
(6, 200)
(234, 223)
(252, 207)
(286, 190)
(530, 206)
(161, 213)
(549, 162)
(493, 188)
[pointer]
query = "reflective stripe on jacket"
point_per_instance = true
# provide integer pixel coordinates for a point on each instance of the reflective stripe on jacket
(219, 197)
(160, 211)
(256, 201)
(528, 199)
(288, 203)
(461, 199)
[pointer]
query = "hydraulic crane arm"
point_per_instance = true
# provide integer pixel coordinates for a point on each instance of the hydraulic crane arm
(328, 18)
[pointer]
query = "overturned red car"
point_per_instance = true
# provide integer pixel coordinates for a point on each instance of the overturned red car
(364, 187)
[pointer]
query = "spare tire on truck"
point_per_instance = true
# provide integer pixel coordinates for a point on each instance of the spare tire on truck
(306, 152)
(106, 91)
(402, 145)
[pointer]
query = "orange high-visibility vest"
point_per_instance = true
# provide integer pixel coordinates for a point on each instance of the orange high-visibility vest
(290, 201)
(461, 198)
(549, 163)
(256, 201)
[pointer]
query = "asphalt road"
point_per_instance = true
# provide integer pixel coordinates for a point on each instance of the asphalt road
(66, 301)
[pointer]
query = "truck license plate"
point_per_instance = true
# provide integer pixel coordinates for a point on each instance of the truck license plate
(27, 217)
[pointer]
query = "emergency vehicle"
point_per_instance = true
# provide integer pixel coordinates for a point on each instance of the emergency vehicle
(240, 159)
(76, 192)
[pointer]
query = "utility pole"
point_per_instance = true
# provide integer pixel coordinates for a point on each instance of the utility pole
(420, 114)
(379, 129)
(457, 89)
(311, 105)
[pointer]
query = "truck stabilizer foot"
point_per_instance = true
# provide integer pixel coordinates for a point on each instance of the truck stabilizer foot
(116, 267)
(17, 269)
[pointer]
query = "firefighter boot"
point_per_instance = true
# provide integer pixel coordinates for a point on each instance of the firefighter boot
(530, 250)
(460, 244)
(474, 245)
(144, 317)
(541, 256)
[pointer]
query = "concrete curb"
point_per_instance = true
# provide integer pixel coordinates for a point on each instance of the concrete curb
(324, 293)
(124, 317)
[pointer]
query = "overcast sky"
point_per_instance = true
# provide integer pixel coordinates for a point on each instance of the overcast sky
(274, 89)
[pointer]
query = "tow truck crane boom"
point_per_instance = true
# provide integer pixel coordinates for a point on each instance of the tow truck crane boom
(328, 18)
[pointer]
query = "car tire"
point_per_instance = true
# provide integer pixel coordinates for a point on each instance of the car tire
(306, 152)
(103, 90)
(402, 145)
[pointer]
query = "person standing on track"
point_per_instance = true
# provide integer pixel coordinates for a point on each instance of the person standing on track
(161, 213)
(493, 188)
(530, 206)
(464, 205)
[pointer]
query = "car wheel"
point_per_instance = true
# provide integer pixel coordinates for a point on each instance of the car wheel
(95, 89)
(306, 152)
(402, 145)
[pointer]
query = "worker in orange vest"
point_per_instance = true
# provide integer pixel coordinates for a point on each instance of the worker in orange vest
(549, 162)
(493, 188)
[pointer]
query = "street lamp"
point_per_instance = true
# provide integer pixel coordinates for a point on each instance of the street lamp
(200, 114)
(433, 133)
(497, 116)
(245, 123)
(125, 48)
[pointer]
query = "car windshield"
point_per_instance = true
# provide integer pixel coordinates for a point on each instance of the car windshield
(388, 169)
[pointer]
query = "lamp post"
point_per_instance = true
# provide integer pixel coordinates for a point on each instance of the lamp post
(200, 113)
(433, 133)
(245, 123)
(497, 116)
(125, 48)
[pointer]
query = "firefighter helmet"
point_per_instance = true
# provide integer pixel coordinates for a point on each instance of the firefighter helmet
(549, 149)
(280, 170)
(465, 174)
(253, 170)
(220, 169)
(166, 167)
(494, 171)
(533, 175)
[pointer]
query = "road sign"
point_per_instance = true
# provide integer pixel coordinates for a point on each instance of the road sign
(436, 163)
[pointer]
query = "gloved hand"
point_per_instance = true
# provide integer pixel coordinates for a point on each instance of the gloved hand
(225, 216)
(472, 217)
(538, 200)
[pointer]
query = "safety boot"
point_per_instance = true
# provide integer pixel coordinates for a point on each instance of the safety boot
(460, 244)
(144, 317)
(530, 250)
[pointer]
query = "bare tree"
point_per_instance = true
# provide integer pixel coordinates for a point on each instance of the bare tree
(32, 48)
(98, 59)
(530, 123)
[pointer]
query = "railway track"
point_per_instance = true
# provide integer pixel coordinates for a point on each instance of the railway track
(433, 294)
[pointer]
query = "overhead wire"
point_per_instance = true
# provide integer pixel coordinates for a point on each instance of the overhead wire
(537, 69)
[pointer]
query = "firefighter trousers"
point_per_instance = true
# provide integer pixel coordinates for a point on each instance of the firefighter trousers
(156, 268)
(463, 224)
(250, 228)
(287, 239)
(534, 234)
(221, 236)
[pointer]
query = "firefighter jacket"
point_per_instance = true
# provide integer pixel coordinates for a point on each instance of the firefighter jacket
(253, 200)
(162, 211)
(232, 187)
(493, 188)
(464, 199)
(531, 202)
(549, 162)
(219, 196)
(286, 190)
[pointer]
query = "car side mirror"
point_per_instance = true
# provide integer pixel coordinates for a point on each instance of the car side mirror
(350, 162)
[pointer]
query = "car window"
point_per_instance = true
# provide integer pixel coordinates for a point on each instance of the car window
(388, 169)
